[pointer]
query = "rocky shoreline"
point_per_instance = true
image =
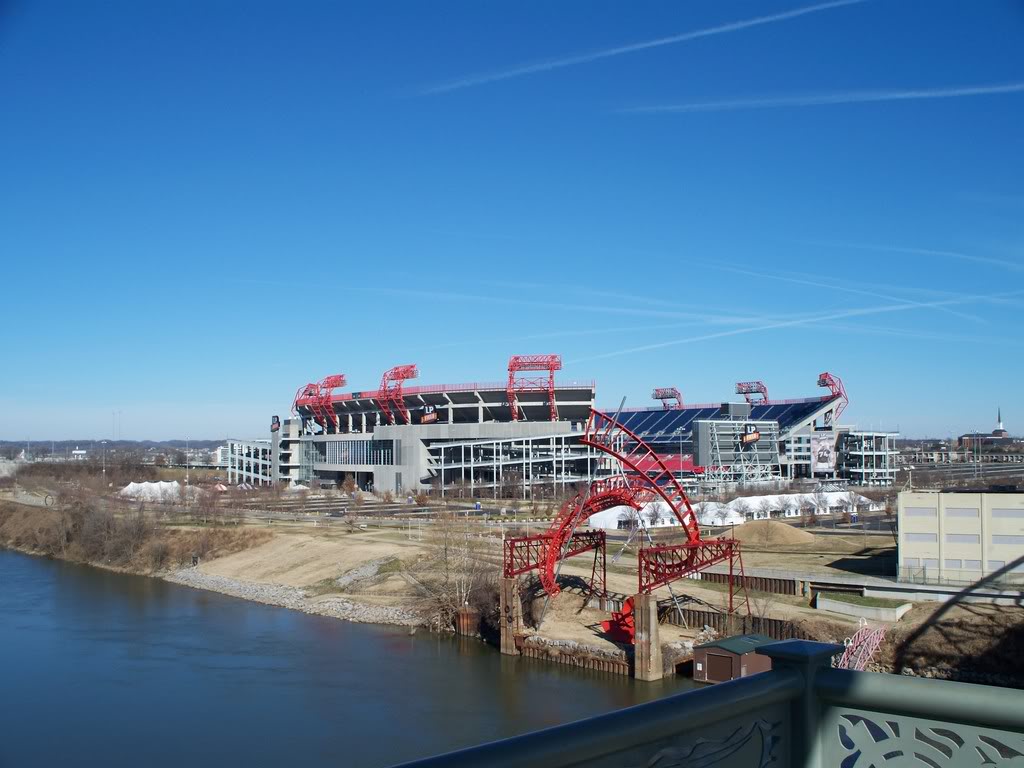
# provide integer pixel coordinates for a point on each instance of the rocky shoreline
(295, 599)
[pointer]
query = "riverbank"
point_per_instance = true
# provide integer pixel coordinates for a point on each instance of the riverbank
(294, 598)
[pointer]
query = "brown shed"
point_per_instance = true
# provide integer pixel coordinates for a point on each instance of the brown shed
(730, 658)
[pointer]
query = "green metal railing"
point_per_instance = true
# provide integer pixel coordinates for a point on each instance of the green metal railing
(801, 713)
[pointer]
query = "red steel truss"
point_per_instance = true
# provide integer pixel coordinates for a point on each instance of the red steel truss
(750, 388)
(665, 394)
(530, 553)
(639, 460)
(661, 565)
(835, 385)
(317, 398)
(389, 396)
(600, 496)
(517, 383)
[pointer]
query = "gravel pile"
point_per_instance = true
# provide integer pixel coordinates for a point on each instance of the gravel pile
(295, 599)
(365, 571)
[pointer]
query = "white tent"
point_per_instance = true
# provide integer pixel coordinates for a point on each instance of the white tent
(655, 514)
(771, 505)
(163, 491)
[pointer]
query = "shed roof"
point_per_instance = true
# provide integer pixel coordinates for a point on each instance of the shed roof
(739, 644)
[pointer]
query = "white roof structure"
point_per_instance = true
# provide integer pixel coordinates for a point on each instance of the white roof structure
(163, 491)
(829, 501)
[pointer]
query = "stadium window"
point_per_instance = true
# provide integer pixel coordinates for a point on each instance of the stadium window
(911, 562)
(920, 512)
(995, 565)
(954, 564)
(922, 538)
(972, 565)
(930, 562)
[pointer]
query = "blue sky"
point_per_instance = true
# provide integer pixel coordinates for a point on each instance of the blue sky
(204, 205)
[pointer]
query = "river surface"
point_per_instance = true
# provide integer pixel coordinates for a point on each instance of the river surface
(98, 668)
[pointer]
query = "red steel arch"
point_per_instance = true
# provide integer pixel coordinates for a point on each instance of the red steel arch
(612, 438)
(602, 495)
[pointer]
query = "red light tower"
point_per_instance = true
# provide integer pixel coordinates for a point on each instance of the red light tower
(518, 383)
(835, 385)
(665, 394)
(750, 388)
(389, 396)
(317, 398)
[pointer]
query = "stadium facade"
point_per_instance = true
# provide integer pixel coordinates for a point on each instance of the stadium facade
(521, 437)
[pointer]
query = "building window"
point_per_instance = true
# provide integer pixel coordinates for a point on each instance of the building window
(995, 565)
(1008, 514)
(963, 538)
(954, 564)
(920, 512)
(930, 562)
(972, 565)
(911, 562)
(922, 538)
(961, 512)
(1007, 539)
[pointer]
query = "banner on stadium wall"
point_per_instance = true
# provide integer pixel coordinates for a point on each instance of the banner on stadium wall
(823, 452)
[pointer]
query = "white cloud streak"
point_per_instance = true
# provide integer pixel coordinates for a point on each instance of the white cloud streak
(816, 283)
(859, 312)
(830, 99)
(607, 53)
(1003, 263)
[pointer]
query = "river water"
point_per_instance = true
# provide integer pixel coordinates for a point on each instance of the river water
(103, 668)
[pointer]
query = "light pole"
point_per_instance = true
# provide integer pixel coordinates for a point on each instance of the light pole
(186, 460)
(104, 444)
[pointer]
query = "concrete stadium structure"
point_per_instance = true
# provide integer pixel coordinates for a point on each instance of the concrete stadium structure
(520, 437)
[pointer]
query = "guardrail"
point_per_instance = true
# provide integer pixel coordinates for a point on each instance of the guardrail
(801, 713)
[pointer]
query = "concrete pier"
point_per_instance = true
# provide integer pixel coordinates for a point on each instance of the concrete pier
(511, 606)
(647, 648)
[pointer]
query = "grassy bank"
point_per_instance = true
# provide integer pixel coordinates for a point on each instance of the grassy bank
(132, 541)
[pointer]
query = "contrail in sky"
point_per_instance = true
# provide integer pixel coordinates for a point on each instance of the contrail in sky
(1010, 265)
(827, 99)
(816, 283)
(792, 323)
(607, 53)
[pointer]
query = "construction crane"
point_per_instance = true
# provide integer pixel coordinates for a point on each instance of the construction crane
(666, 394)
(518, 383)
(750, 388)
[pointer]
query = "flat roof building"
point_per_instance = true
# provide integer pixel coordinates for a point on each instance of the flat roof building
(958, 537)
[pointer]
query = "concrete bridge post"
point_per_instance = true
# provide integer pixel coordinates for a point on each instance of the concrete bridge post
(511, 607)
(647, 644)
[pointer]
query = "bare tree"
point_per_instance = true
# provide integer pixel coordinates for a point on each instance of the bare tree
(348, 485)
(765, 507)
(455, 568)
(808, 510)
(742, 507)
(787, 504)
(821, 501)
(651, 515)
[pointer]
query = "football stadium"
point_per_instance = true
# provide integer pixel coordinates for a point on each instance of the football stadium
(520, 437)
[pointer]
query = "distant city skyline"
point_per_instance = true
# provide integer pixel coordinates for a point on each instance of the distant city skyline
(201, 210)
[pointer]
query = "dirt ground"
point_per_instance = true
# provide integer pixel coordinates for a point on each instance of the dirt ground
(302, 558)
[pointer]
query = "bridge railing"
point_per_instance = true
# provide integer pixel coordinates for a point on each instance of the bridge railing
(801, 713)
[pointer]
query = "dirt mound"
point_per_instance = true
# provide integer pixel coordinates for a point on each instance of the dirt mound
(764, 532)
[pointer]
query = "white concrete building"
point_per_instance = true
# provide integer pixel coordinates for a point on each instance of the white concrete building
(960, 536)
